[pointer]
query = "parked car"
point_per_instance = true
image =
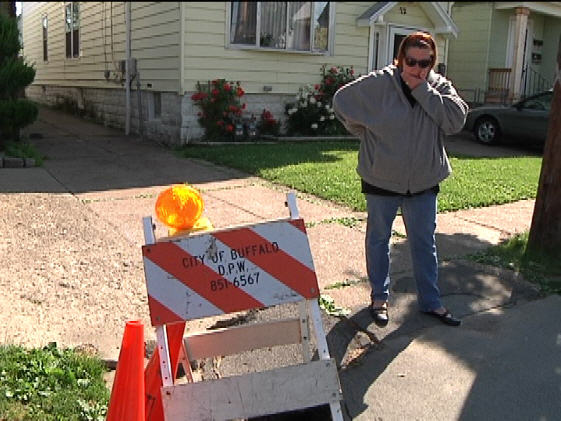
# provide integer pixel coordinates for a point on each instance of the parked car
(523, 122)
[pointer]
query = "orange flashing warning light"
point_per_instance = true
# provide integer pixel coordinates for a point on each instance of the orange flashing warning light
(179, 207)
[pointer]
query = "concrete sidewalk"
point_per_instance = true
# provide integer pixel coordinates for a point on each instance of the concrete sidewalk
(74, 226)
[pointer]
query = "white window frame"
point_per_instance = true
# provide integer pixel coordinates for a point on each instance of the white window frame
(72, 56)
(45, 37)
(257, 47)
(393, 31)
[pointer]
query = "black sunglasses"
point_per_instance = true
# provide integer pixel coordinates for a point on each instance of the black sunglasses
(423, 64)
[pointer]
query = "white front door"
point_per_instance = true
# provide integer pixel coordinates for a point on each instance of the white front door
(384, 43)
(396, 35)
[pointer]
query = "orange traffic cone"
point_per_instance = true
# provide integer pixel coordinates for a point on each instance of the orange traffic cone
(127, 395)
(153, 377)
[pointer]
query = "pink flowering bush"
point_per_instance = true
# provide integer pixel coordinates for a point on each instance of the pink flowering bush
(221, 107)
(312, 112)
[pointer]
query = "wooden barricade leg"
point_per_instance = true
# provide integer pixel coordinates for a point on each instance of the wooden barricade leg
(323, 351)
(153, 378)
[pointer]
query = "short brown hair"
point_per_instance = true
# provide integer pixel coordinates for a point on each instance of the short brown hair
(419, 40)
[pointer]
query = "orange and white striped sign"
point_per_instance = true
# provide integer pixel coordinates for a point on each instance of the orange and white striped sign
(232, 270)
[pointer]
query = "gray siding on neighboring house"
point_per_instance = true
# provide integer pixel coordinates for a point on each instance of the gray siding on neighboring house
(486, 41)
(551, 32)
(468, 59)
(499, 38)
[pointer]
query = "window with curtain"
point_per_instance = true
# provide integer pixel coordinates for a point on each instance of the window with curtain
(45, 24)
(72, 29)
(294, 26)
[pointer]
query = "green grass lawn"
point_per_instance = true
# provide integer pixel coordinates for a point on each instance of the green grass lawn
(513, 253)
(328, 170)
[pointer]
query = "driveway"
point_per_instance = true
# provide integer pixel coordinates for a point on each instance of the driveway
(464, 143)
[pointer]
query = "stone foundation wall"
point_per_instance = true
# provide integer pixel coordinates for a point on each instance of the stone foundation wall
(107, 106)
(255, 103)
(165, 117)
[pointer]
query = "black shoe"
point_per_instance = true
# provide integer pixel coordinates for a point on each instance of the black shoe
(445, 318)
(380, 315)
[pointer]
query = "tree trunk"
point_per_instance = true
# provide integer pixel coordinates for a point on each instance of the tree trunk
(545, 231)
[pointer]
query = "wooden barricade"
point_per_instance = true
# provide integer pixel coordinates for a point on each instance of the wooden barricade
(223, 271)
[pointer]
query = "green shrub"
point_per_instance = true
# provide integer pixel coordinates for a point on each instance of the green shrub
(312, 113)
(220, 106)
(15, 115)
(23, 149)
(267, 124)
(15, 75)
(9, 37)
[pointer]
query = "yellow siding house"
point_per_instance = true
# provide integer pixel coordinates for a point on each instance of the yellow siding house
(273, 48)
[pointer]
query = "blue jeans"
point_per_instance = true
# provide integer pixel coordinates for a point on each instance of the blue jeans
(419, 216)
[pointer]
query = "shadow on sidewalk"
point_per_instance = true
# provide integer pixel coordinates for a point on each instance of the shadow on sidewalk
(467, 288)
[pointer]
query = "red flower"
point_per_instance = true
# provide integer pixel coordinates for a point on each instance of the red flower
(243, 106)
(233, 108)
(328, 81)
(240, 91)
(333, 70)
(198, 96)
(215, 92)
(316, 87)
(227, 87)
(229, 128)
(220, 123)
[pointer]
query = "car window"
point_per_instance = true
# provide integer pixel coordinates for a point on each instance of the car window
(532, 104)
(546, 100)
(542, 102)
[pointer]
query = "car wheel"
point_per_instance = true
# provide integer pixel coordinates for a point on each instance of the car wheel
(487, 130)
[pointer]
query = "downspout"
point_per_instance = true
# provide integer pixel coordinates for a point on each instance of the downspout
(447, 39)
(127, 68)
(183, 131)
(138, 94)
(181, 48)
